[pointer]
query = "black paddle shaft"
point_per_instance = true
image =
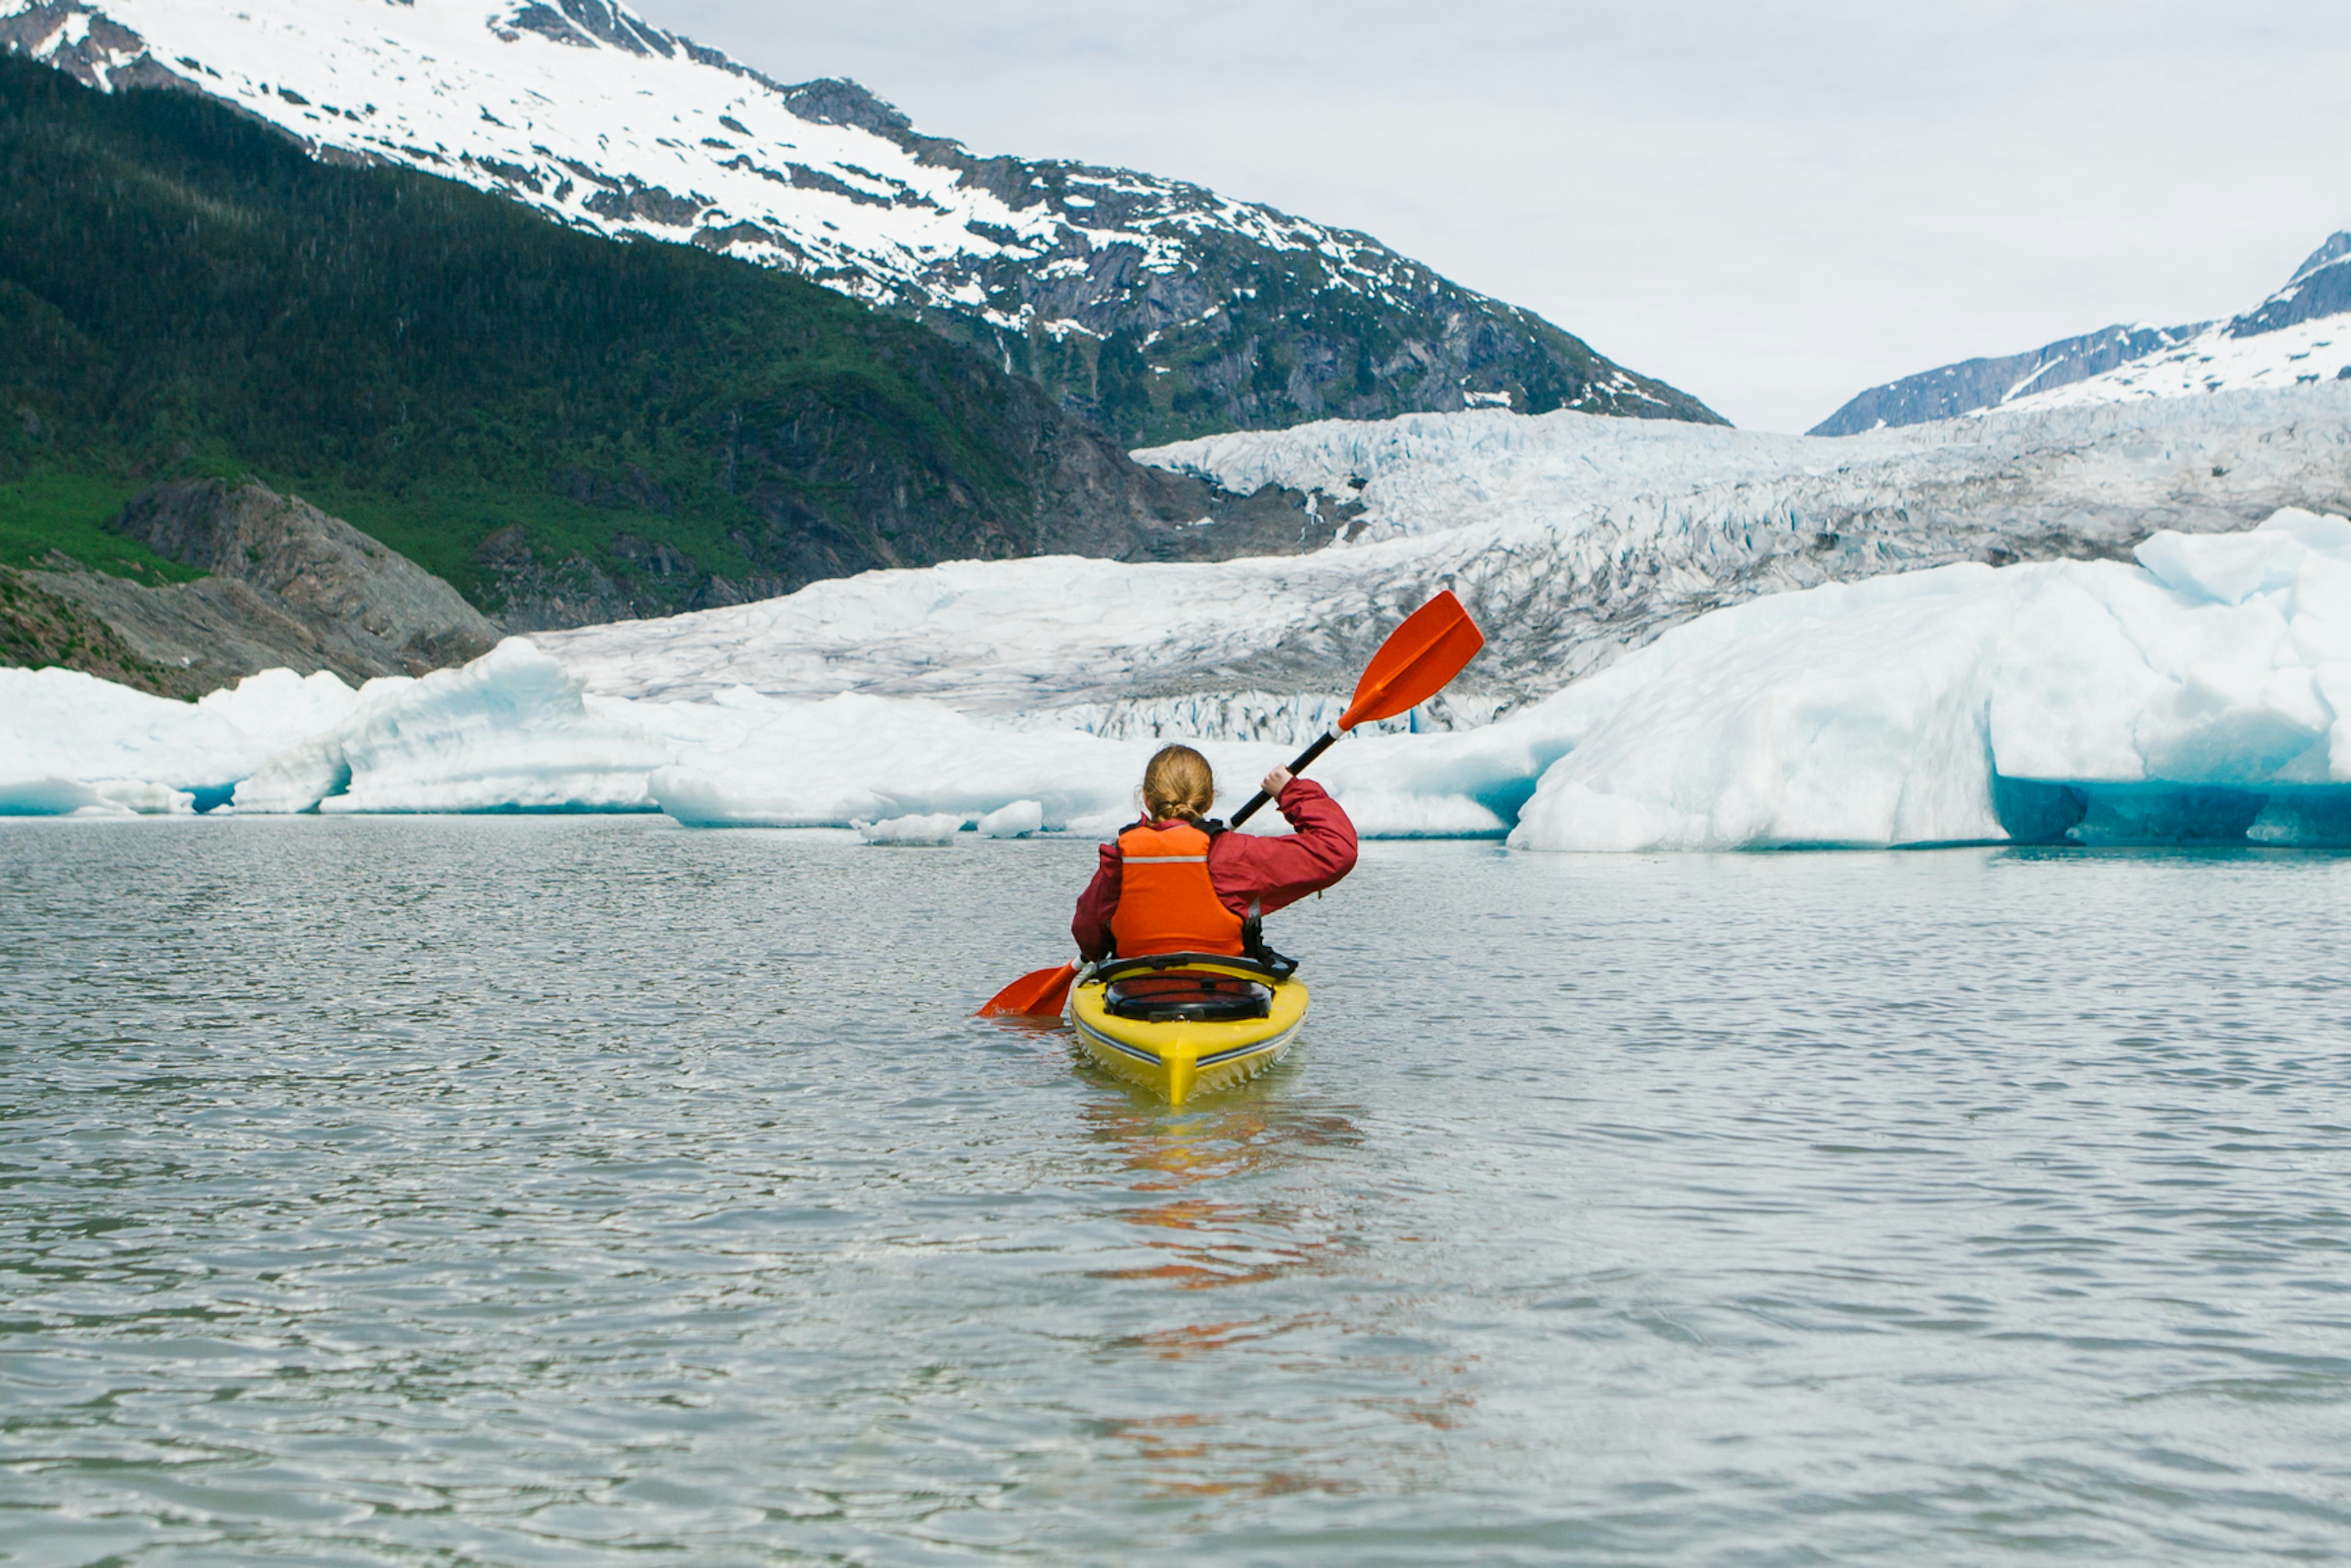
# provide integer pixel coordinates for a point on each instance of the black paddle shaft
(1297, 765)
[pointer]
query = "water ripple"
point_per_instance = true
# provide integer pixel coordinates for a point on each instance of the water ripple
(573, 1191)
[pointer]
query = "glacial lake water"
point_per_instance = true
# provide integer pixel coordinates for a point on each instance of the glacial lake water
(593, 1191)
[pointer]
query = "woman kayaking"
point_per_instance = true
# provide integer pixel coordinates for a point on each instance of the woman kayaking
(1177, 882)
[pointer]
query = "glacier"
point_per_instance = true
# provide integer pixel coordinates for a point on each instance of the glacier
(1573, 539)
(2200, 693)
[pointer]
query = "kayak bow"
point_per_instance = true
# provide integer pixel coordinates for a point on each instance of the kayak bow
(1181, 1024)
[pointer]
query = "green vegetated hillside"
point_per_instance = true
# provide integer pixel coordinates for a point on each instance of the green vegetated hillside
(567, 428)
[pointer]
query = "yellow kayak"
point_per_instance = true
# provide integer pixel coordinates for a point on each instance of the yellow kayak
(1181, 1024)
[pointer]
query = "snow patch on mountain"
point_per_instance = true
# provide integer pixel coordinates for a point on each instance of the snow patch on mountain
(588, 113)
(2216, 359)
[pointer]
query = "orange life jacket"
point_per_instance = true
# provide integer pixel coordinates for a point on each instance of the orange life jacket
(1165, 902)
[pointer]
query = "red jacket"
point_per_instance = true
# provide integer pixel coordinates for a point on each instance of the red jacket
(1270, 872)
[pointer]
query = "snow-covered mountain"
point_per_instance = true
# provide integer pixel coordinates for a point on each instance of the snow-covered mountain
(1159, 306)
(2300, 334)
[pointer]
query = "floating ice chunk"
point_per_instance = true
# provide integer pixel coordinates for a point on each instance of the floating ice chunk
(1017, 820)
(2202, 699)
(746, 760)
(931, 827)
(139, 797)
(508, 732)
(142, 753)
(1398, 814)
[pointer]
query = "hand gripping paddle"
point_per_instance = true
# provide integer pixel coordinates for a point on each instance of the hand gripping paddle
(1413, 665)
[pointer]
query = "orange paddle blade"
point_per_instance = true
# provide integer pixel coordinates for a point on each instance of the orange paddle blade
(1041, 993)
(1415, 662)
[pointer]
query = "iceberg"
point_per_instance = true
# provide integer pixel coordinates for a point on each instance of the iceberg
(1016, 820)
(2191, 698)
(73, 743)
(925, 829)
(508, 732)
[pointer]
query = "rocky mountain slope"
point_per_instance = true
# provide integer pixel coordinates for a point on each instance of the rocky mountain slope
(566, 429)
(286, 585)
(2300, 334)
(1156, 308)
(39, 630)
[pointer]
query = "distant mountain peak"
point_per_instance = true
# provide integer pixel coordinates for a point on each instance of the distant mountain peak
(2298, 335)
(1159, 307)
(2337, 246)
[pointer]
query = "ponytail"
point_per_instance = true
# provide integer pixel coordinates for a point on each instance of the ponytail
(1178, 783)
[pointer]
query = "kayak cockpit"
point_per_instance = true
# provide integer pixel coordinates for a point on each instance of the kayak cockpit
(1185, 1023)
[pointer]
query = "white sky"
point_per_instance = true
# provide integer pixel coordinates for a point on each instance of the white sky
(1772, 204)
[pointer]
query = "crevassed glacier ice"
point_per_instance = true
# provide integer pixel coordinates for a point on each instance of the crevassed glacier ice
(1573, 539)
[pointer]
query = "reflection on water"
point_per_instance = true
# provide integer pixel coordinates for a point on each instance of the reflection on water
(1209, 1179)
(1201, 1151)
(578, 1191)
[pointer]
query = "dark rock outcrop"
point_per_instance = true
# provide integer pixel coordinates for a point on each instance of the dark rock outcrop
(288, 586)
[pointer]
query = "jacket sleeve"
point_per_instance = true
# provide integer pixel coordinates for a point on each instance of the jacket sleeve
(1279, 871)
(1091, 925)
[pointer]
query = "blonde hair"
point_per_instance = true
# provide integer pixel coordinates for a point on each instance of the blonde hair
(1177, 782)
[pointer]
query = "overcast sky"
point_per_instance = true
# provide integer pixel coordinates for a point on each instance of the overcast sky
(1770, 205)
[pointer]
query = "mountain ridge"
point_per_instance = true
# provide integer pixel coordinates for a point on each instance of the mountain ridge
(2289, 338)
(1154, 307)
